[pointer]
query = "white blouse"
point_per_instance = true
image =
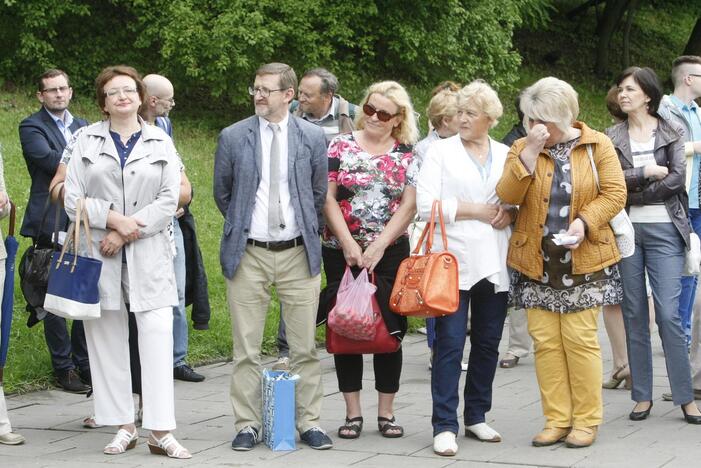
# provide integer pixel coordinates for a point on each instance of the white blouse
(449, 174)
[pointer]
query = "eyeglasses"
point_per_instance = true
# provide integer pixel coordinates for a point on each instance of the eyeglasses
(694, 74)
(264, 92)
(382, 116)
(119, 91)
(170, 100)
(62, 89)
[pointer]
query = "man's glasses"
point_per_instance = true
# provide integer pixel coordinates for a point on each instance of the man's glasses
(62, 89)
(694, 74)
(119, 91)
(170, 100)
(382, 116)
(264, 92)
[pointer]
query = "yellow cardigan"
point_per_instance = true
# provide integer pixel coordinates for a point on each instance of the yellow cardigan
(532, 193)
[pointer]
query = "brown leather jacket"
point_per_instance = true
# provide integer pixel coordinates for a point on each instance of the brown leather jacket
(669, 152)
(532, 193)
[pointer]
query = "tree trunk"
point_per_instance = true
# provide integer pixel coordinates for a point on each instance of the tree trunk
(581, 9)
(693, 46)
(613, 13)
(632, 6)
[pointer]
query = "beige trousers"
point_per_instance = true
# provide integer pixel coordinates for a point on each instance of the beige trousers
(248, 294)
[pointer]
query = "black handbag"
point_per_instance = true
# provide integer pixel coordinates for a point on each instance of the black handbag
(35, 263)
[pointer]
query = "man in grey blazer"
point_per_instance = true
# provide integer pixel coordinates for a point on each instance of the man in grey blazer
(270, 181)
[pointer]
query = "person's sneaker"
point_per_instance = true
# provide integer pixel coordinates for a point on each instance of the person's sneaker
(282, 364)
(667, 396)
(245, 440)
(317, 439)
(69, 380)
(185, 372)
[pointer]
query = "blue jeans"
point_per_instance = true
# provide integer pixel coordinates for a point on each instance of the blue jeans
(488, 315)
(689, 283)
(179, 316)
(659, 249)
(430, 332)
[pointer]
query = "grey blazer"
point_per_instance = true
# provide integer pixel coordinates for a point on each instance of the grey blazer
(237, 174)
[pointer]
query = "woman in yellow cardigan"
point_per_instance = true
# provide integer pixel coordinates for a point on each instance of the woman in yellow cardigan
(563, 285)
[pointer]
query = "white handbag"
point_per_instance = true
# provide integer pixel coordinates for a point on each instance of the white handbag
(621, 224)
(692, 261)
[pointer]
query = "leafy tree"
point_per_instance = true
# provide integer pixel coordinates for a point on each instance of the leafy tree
(212, 47)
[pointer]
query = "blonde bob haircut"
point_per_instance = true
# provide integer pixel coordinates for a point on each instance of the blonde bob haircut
(482, 97)
(550, 100)
(443, 104)
(407, 132)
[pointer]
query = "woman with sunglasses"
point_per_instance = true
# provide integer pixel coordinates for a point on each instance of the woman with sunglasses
(128, 173)
(370, 203)
(462, 172)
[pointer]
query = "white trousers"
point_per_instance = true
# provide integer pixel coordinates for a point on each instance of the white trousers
(5, 427)
(108, 348)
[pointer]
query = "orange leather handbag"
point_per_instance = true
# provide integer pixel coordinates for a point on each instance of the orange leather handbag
(427, 285)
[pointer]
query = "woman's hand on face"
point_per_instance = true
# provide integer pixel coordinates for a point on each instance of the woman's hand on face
(653, 171)
(372, 255)
(128, 228)
(502, 219)
(576, 229)
(352, 253)
(111, 244)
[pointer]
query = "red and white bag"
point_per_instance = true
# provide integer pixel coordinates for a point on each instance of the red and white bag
(353, 315)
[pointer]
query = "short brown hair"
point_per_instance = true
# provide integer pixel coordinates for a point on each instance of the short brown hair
(612, 104)
(116, 70)
(288, 78)
(678, 65)
(51, 73)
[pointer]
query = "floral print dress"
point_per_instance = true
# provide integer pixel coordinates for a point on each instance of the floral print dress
(370, 187)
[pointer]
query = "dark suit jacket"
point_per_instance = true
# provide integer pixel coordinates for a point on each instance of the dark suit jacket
(237, 174)
(42, 146)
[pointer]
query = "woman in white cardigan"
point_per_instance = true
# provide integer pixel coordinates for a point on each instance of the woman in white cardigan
(462, 172)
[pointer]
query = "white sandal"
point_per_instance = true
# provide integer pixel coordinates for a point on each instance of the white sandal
(123, 441)
(167, 445)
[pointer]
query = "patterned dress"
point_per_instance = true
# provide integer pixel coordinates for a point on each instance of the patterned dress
(370, 187)
(559, 290)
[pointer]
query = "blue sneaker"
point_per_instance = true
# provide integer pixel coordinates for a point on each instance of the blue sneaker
(317, 439)
(245, 440)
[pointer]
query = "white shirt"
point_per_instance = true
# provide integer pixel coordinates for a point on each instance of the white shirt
(644, 155)
(259, 222)
(449, 174)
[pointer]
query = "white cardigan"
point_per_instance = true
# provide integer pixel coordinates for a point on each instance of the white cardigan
(448, 174)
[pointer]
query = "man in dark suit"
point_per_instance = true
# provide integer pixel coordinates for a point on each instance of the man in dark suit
(270, 182)
(43, 136)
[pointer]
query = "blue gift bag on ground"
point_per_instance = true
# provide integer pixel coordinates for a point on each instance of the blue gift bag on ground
(279, 409)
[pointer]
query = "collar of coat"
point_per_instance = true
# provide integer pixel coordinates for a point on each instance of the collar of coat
(148, 132)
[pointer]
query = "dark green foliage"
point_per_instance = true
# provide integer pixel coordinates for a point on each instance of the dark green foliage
(212, 47)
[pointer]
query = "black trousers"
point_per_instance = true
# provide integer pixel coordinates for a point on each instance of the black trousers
(387, 367)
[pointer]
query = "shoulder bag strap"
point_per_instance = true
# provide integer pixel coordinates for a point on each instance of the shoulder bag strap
(593, 166)
(428, 230)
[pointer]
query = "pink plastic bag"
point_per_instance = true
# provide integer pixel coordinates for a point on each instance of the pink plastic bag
(353, 316)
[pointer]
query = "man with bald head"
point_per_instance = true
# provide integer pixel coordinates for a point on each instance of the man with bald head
(155, 109)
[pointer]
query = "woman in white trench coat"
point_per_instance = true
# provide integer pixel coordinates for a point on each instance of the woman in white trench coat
(128, 172)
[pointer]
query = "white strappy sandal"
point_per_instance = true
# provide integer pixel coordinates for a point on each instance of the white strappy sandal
(123, 441)
(167, 445)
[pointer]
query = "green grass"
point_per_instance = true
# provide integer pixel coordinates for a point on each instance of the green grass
(657, 37)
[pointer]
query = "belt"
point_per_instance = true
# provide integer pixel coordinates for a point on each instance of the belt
(277, 246)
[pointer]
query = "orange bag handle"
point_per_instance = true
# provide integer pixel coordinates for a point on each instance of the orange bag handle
(430, 230)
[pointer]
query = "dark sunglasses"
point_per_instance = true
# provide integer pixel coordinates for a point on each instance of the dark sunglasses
(382, 116)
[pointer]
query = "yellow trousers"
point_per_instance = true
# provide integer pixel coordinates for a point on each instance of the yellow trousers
(568, 366)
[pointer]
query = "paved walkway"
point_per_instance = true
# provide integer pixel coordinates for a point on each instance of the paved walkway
(51, 422)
